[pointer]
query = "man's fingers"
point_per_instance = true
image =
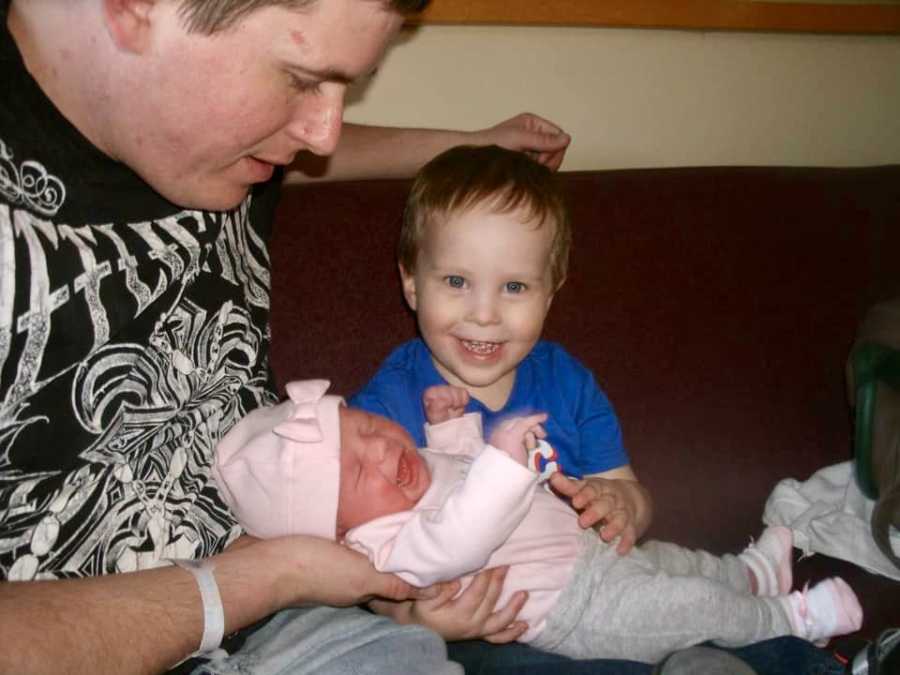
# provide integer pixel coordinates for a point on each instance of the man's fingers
(437, 594)
(447, 592)
(398, 611)
(392, 587)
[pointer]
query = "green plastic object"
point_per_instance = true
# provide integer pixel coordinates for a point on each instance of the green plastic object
(874, 365)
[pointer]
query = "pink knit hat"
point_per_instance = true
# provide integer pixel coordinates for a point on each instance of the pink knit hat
(279, 468)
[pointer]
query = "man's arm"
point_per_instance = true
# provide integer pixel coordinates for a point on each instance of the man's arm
(389, 152)
(145, 622)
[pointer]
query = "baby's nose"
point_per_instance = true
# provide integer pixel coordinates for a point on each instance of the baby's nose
(378, 449)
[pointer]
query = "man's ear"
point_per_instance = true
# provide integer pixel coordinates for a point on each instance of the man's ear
(129, 22)
(409, 286)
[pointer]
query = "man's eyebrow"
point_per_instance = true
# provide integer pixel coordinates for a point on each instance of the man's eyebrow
(326, 74)
(334, 75)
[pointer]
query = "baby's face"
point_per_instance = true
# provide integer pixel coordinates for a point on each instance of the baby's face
(381, 471)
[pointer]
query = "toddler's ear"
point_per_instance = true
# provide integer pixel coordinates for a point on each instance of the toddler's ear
(409, 286)
(553, 294)
(559, 285)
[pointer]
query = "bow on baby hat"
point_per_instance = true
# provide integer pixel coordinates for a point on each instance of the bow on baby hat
(279, 467)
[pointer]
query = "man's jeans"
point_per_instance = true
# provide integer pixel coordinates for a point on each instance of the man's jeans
(333, 641)
(778, 656)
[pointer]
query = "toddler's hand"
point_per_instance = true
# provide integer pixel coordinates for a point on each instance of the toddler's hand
(472, 614)
(444, 402)
(604, 504)
(517, 435)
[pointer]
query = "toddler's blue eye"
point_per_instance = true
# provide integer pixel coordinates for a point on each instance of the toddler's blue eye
(515, 287)
(455, 281)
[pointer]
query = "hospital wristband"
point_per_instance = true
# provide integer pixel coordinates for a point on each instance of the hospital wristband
(213, 614)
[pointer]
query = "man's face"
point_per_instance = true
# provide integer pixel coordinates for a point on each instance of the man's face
(381, 471)
(212, 115)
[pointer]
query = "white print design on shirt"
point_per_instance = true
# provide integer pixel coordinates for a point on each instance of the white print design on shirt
(124, 482)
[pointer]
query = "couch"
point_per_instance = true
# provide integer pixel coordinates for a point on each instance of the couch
(716, 307)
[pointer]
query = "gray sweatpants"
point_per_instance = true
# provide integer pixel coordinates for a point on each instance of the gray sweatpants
(658, 598)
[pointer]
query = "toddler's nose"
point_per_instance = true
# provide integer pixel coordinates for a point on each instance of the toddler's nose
(484, 310)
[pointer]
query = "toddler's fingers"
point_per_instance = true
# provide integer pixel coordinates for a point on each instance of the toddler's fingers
(502, 626)
(601, 506)
(502, 618)
(484, 589)
(595, 492)
(627, 541)
(567, 487)
(489, 599)
(513, 632)
(614, 523)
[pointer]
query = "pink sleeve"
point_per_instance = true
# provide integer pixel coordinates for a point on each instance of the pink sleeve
(430, 545)
(458, 436)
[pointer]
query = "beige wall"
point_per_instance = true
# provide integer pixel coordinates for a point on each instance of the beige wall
(638, 98)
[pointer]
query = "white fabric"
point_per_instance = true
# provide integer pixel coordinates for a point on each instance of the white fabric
(828, 514)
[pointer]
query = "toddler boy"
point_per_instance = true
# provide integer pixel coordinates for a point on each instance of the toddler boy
(483, 249)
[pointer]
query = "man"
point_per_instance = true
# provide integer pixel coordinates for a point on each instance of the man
(141, 147)
(133, 333)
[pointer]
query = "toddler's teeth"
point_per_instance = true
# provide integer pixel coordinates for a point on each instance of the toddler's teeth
(480, 347)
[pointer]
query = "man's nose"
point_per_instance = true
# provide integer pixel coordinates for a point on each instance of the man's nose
(317, 120)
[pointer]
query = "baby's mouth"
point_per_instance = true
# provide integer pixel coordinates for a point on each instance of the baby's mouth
(404, 472)
(480, 348)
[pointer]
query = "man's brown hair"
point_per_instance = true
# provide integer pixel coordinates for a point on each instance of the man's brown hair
(210, 16)
(467, 176)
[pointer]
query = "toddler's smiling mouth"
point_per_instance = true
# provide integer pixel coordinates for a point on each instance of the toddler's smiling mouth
(480, 348)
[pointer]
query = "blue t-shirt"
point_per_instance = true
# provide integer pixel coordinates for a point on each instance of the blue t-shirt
(582, 426)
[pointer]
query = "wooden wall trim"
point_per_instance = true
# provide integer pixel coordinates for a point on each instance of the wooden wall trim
(689, 14)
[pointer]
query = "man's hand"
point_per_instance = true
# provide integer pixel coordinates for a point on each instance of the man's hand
(320, 571)
(615, 507)
(471, 615)
(392, 152)
(537, 137)
(444, 402)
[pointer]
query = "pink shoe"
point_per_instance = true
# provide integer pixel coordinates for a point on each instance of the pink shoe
(769, 561)
(828, 609)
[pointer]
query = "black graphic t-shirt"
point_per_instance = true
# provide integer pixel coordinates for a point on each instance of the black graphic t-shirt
(133, 334)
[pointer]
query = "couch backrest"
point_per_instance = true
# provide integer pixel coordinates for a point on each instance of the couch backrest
(715, 305)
